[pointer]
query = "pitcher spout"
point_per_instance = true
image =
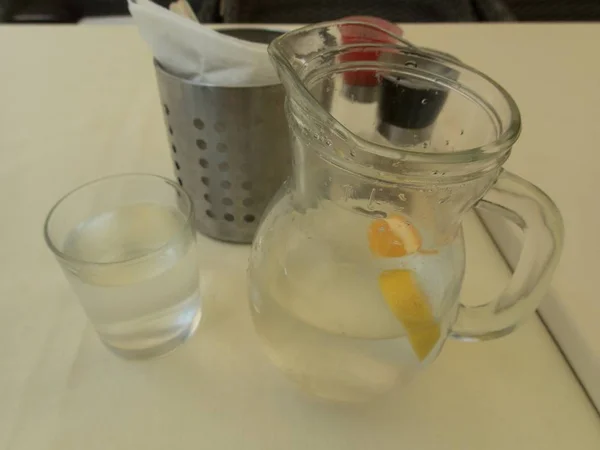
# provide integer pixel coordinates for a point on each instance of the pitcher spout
(365, 98)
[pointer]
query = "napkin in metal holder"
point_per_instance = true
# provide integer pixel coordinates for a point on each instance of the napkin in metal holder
(230, 147)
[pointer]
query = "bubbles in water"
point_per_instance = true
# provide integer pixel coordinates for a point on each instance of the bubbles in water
(424, 101)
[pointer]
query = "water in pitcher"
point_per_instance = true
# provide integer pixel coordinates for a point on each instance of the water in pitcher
(324, 308)
(142, 290)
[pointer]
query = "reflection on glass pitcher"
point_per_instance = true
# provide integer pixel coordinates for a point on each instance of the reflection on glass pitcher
(356, 269)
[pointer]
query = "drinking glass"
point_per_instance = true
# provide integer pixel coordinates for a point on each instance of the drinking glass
(127, 247)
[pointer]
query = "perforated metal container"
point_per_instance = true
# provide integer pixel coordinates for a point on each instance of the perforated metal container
(230, 148)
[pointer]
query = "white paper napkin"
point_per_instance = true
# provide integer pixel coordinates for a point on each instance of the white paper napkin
(198, 53)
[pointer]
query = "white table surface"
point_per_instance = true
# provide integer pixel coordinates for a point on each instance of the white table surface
(548, 70)
(81, 102)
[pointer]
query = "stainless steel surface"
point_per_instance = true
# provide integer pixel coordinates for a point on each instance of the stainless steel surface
(230, 150)
(361, 94)
(404, 136)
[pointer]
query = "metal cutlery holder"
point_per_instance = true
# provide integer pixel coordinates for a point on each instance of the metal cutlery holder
(230, 148)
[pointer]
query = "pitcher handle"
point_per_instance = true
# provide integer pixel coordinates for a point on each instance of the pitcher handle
(537, 216)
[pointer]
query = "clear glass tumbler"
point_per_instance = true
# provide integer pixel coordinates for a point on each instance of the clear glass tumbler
(127, 246)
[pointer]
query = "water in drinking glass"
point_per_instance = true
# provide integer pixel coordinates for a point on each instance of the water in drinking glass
(140, 289)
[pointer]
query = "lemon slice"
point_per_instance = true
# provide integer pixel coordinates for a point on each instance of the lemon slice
(410, 306)
(393, 237)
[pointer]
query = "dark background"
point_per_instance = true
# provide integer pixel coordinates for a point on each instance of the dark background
(302, 11)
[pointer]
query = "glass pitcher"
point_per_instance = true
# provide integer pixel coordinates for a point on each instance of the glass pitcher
(356, 268)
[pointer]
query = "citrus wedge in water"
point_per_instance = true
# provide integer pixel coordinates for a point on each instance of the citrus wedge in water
(410, 306)
(393, 237)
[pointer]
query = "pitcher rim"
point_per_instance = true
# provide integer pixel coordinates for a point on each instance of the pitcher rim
(494, 149)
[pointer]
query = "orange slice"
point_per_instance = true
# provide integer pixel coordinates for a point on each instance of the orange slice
(393, 237)
(410, 306)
